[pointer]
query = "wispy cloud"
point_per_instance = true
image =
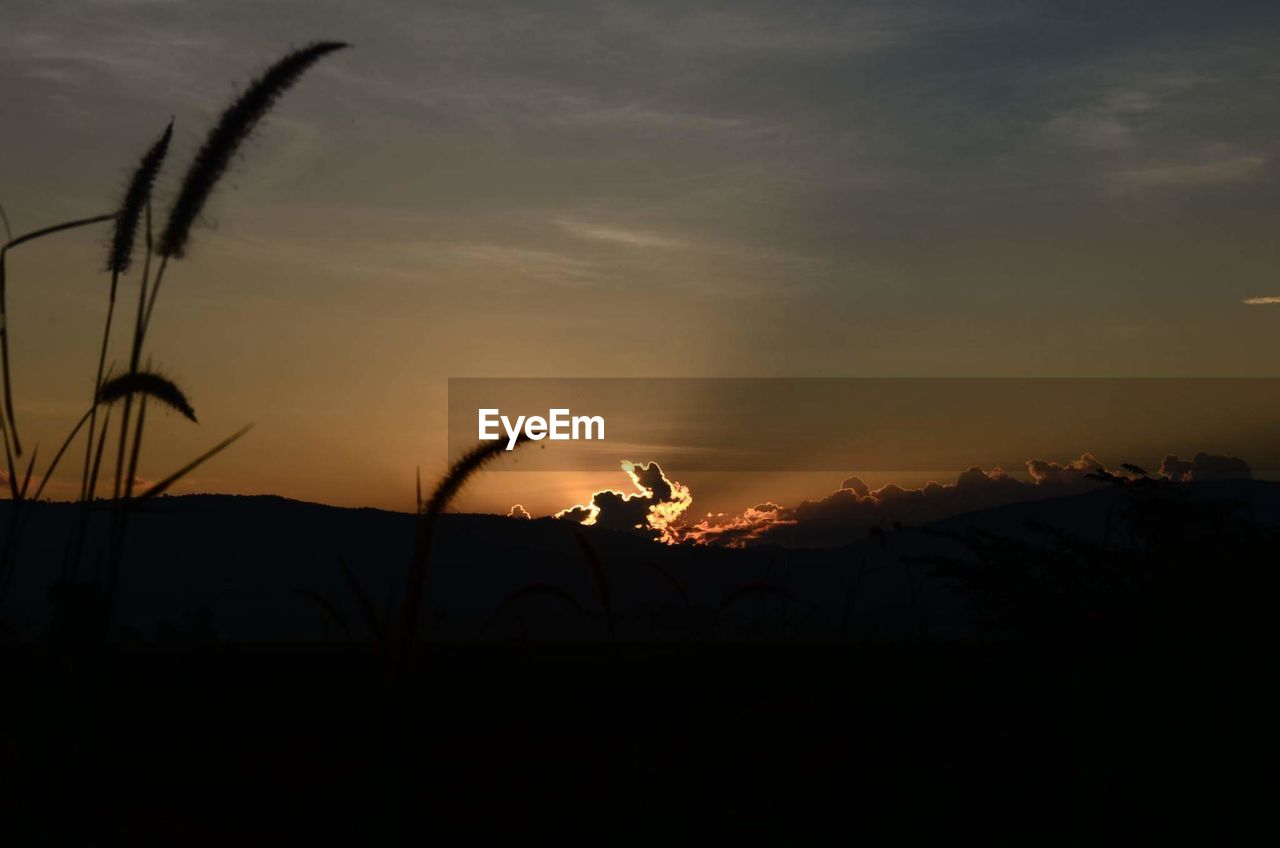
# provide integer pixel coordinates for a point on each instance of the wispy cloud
(621, 235)
(134, 58)
(1262, 301)
(770, 29)
(1223, 171)
(1105, 126)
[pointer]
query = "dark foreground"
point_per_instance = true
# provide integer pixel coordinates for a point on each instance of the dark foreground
(244, 745)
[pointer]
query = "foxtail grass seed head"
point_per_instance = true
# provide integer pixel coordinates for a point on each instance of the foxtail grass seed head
(135, 201)
(150, 384)
(220, 146)
(468, 464)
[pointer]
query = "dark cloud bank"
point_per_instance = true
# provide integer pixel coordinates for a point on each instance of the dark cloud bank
(657, 508)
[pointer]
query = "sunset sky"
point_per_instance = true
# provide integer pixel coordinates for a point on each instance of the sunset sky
(649, 189)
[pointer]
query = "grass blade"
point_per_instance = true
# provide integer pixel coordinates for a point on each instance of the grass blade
(750, 589)
(26, 479)
(97, 457)
(55, 228)
(371, 618)
(671, 580)
(12, 474)
(4, 315)
(329, 609)
(66, 443)
(598, 576)
(532, 590)
(406, 624)
(163, 486)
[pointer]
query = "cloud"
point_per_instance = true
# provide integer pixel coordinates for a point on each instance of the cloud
(1261, 301)
(1052, 473)
(1094, 132)
(654, 509)
(1205, 466)
(657, 508)
(620, 235)
(518, 511)
(112, 47)
(769, 29)
(857, 486)
(1221, 172)
(849, 513)
(740, 530)
(1106, 126)
(542, 265)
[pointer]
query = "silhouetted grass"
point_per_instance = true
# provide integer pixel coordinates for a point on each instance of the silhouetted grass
(136, 197)
(747, 590)
(406, 624)
(136, 202)
(202, 176)
(226, 137)
(598, 577)
(132, 216)
(531, 590)
(372, 620)
(671, 580)
(159, 488)
(150, 384)
(330, 610)
(8, 422)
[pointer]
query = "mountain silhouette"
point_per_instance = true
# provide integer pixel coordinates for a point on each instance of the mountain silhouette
(242, 568)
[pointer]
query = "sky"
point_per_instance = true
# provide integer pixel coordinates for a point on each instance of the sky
(638, 189)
